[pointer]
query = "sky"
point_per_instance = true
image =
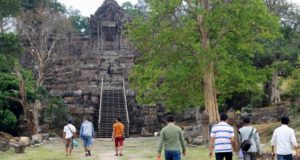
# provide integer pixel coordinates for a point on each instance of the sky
(88, 7)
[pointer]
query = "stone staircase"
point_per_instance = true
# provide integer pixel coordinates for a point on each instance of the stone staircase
(112, 105)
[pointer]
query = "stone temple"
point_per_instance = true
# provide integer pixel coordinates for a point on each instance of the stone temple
(92, 76)
(92, 71)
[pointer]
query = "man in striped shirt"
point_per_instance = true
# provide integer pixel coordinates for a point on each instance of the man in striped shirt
(222, 140)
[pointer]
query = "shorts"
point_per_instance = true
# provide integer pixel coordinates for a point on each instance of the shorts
(119, 141)
(69, 143)
(87, 141)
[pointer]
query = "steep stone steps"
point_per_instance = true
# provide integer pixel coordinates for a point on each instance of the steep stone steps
(112, 107)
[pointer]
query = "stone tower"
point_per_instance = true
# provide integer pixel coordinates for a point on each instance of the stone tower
(93, 70)
(106, 26)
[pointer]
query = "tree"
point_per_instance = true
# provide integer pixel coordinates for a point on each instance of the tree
(283, 53)
(16, 85)
(40, 30)
(189, 49)
(8, 9)
(79, 22)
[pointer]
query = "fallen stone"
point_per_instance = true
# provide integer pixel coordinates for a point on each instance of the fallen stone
(198, 140)
(45, 136)
(145, 132)
(25, 140)
(36, 139)
(53, 139)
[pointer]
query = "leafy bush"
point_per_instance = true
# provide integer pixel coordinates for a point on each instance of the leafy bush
(8, 120)
(55, 112)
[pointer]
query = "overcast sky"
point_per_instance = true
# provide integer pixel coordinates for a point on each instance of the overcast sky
(88, 7)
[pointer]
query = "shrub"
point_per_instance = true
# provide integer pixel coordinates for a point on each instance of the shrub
(8, 120)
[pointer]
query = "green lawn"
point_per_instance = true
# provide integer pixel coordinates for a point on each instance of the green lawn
(135, 149)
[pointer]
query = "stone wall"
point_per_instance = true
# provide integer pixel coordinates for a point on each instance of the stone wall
(268, 114)
(145, 120)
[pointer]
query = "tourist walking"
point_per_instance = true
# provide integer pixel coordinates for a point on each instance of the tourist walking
(284, 140)
(249, 140)
(118, 136)
(86, 134)
(69, 133)
(171, 137)
(222, 140)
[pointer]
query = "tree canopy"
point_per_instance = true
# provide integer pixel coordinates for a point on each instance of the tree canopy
(180, 41)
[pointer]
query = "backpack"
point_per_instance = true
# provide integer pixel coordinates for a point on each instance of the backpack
(246, 144)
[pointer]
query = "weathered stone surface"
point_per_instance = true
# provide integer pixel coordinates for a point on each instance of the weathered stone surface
(25, 140)
(268, 114)
(45, 136)
(197, 141)
(192, 134)
(36, 139)
(95, 99)
(146, 133)
(69, 100)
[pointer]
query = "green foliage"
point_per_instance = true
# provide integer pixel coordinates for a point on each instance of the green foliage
(55, 112)
(10, 50)
(282, 54)
(79, 22)
(9, 8)
(34, 4)
(9, 86)
(172, 62)
(295, 85)
(8, 120)
(132, 11)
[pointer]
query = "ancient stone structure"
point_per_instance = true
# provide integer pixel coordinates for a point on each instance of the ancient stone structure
(92, 67)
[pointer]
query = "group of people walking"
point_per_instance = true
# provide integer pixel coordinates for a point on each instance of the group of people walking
(222, 143)
(87, 134)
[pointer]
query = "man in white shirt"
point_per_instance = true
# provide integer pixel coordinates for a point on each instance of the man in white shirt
(68, 135)
(284, 140)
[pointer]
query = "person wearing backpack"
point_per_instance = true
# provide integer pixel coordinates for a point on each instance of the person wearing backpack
(86, 134)
(69, 133)
(284, 141)
(249, 140)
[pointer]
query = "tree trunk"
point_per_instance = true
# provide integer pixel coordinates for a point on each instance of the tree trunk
(210, 95)
(29, 112)
(1, 26)
(41, 75)
(274, 91)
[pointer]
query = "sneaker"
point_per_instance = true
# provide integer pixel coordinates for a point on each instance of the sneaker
(120, 154)
(116, 154)
(89, 152)
(86, 154)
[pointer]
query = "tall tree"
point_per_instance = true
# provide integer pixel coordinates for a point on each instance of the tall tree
(16, 87)
(283, 53)
(40, 30)
(187, 46)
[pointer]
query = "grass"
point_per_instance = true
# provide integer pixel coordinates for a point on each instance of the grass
(135, 149)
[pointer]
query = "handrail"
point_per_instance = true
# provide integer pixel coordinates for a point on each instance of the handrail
(100, 104)
(124, 90)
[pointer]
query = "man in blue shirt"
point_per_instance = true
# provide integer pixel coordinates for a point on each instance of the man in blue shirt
(86, 134)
